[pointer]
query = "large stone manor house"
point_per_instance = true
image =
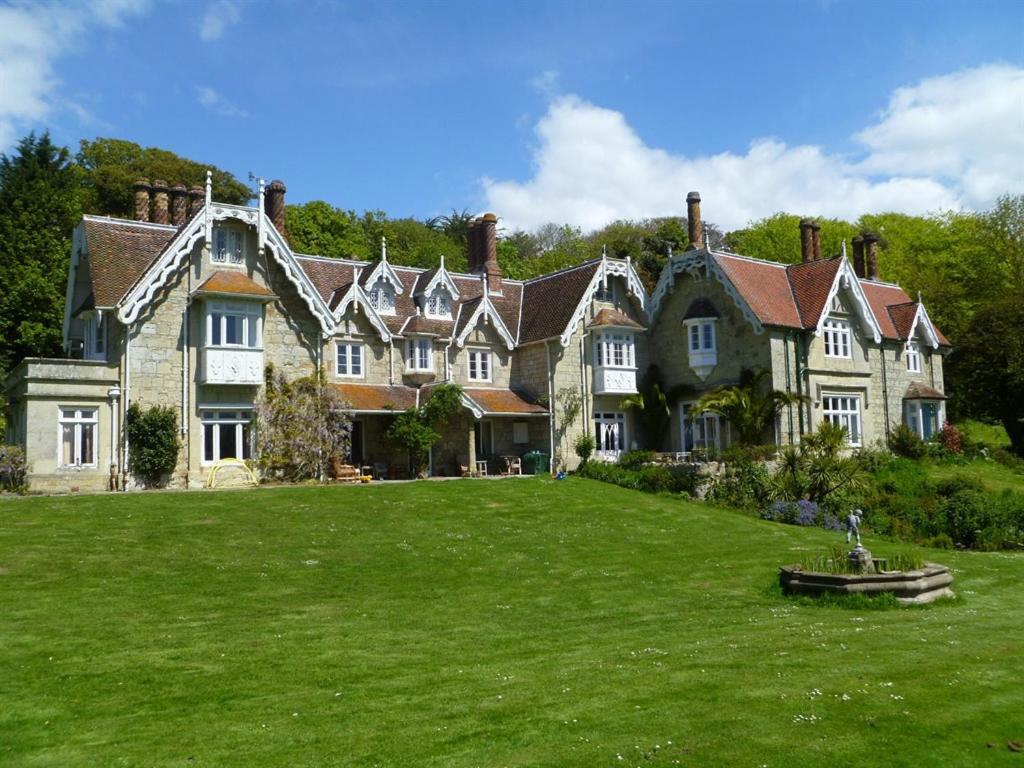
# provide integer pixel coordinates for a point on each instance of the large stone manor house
(188, 303)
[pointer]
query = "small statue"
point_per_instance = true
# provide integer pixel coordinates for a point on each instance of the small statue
(853, 525)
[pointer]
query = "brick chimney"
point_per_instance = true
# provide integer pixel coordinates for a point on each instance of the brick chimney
(816, 240)
(273, 201)
(693, 221)
(141, 188)
(806, 240)
(488, 252)
(179, 205)
(858, 255)
(871, 255)
(160, 201)
(471, 249)
(196, 200)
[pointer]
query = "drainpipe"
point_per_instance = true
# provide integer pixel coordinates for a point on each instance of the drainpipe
(551, 404)
(127, 401)
(799, 378)
(885, 390)
(114, 394)
(185, 376)
(583, 371)
(391, 361)
(785, 355)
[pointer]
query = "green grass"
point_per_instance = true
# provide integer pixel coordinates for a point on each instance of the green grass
(475, 623)
(992, 475)
(981, 432)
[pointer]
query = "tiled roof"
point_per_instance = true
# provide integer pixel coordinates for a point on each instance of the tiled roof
(902, 316)
(811, 283)
(372, 397)
(503, 401)
(119, 254)
(616, 319)
(429, 325)
(920, 391)
(880, 297)
(549, 302)
(764, 286)
(328, 276)
(230, 281)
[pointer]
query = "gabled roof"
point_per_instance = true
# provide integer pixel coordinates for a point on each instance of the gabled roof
(383, 268)
(549, 302)
(481, 308)
(119, 253)
(812, 282)
(429, 280)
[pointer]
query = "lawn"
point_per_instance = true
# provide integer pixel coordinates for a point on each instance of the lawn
(476, 623)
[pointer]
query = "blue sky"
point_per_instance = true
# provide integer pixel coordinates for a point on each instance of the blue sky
(577, 112)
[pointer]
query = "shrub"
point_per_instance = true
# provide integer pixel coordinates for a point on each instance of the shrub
(635, 459)
(738, 453)
(152, 442)
(584, 447)
(745, 485)
(951, 438)
(904, 442)
(802, 512)
(13, 469)
(657, 478)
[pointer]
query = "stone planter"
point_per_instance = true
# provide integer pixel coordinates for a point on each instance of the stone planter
(922, 586)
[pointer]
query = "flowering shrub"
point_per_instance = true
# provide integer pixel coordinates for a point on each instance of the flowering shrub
(13, 469)
(951, 438)
(801, 512)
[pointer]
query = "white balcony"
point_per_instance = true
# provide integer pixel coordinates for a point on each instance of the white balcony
(232, 365)
(614, 381)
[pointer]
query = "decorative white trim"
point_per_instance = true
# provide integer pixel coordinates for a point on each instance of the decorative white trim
(921, 319)
(846, 279)
(441, 277)
(475, 409)
(486, 310)
(294, 271)
(606, 268)
(383, 269)
(357, 296)
(737, 299)
(692, 262)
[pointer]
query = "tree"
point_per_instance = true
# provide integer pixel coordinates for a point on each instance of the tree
(651, 406)
(417, 429)
(819, 467)
(112, 165)
(41, 193)
(301, 426)
(321, 229)
(153, 440)
(750, 407)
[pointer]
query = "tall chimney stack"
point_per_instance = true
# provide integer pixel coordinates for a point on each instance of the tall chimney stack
(693, 221)
(141, 188)
(871, 255)
(471, 250)
(179, 205)
(858, 255)
(160, 201)
(816, 240)
(806, 240)
(273, 200)
(196, 199)
(488, 253)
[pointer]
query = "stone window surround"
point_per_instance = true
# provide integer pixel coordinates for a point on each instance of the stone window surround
(478, 364)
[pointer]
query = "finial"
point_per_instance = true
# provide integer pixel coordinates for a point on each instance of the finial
(442, 262)
(919, 301)
(604, 251)
(707, 239)
(209, 186)
(842, 248)
(383, 248)
(670, 253)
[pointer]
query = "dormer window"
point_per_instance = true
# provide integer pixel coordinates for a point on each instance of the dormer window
(439, 303)
(837, 338)
(702, 344)
(227, 246)
(913, 353)
(382, 298)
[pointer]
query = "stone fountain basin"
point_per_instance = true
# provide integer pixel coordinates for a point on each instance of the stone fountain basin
(920, 586)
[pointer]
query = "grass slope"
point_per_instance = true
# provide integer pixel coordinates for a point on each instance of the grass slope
(475, 623)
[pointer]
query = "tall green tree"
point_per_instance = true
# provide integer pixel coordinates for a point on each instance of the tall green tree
(41, 197)
(112, 165)
(751, 407)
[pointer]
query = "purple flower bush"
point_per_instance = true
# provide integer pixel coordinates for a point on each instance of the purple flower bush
(802, 512)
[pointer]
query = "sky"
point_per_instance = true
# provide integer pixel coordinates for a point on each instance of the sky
(578, 113)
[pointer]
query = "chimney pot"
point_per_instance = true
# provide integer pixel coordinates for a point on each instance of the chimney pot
(871, 255)
(806, 240)
(695, 226)
(141, 187)
(179, 205)
(273, 201)
(858, 255)
(196, 197)
(160, 201)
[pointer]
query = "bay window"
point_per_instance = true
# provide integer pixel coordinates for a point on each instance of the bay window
(77, 429)
(616, 350)
(419, 355)
(700, 430)
(234, 324)
(702, 344)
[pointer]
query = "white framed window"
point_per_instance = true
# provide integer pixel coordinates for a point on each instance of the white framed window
(439, 303)
(844, 411)
(702, 336)
(76, 436)
(349, 359)
(382, 297)
(700, 430)
(227, 246)
(479, 365)
(227, 434)
(923, 416)
(95, 338)
(419, 355)
(913, 353)
(234, 324)
(615, 350)
(610, 433)
(702, 344)
(837, 338)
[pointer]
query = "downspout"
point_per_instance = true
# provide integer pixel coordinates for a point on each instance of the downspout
(185, 352)
(583, 372)
(885, 389)
(551, 404)
(126, 402)
(391, 361)
(799, 379)
(789, 390)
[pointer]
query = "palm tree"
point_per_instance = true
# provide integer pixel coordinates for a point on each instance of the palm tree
(651, 404)
(750, 407)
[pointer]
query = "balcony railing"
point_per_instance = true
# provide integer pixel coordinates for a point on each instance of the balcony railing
(232, 365)
(614, 381)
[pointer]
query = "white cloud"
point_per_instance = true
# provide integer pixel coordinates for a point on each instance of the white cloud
(946, 143)
(217, 104)
(218, 17)
(546, 82)
(32, 36)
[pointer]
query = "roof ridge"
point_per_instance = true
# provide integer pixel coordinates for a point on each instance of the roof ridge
(129, 222)
(563, 270)
(741, 257)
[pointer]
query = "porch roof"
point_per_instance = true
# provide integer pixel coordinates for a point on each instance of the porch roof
(503, 402)
(377, 398)
(919, 391)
